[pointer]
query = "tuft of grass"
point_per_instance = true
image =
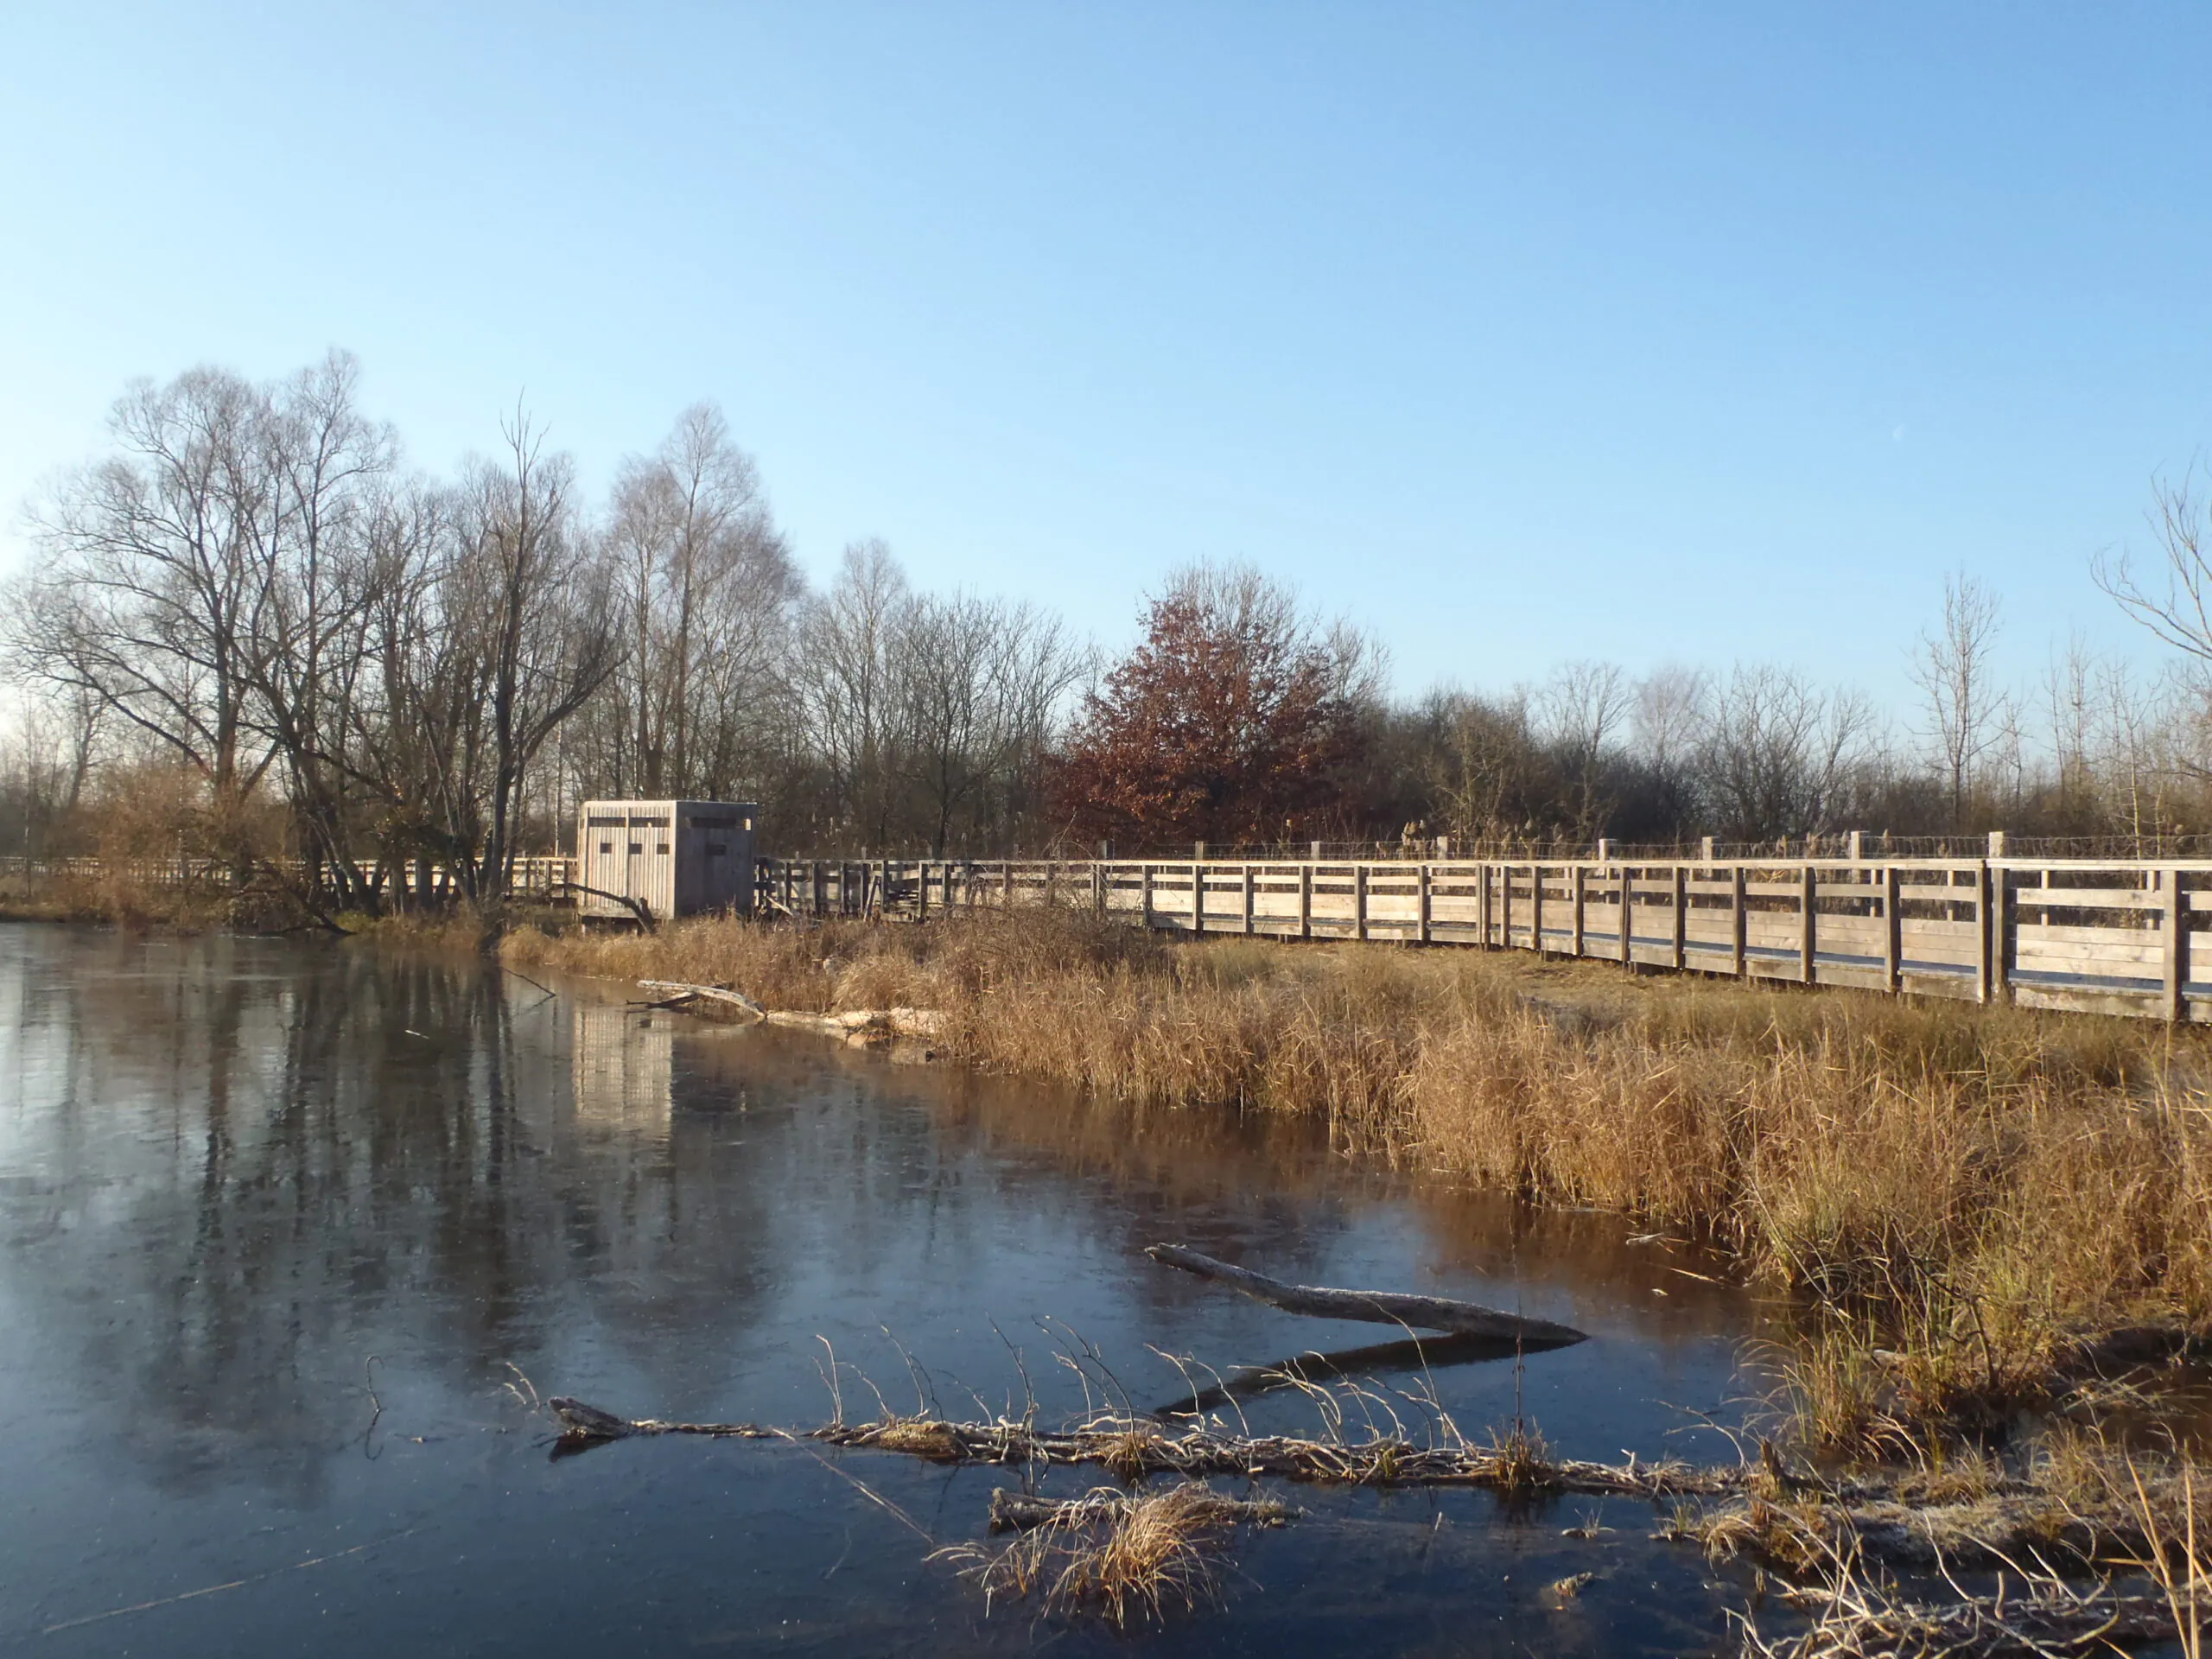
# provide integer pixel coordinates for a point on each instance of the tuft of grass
(1124, 1557)
(1522, 1461)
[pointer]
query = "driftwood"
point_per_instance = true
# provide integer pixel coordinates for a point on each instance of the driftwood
(682, 993)
(637, 907)
(1373, 1306)
(898, 1022)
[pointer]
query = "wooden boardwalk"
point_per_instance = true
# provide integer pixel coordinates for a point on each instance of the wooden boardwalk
(2111, 935)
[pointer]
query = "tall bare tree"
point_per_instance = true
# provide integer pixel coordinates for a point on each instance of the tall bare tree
(527, 585)
(1582, 711)
(707, 585)
(1966, 712)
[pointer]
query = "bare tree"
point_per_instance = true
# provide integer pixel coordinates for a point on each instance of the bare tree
(526, 585)
(848, 687)
(1581, 711)
(1966, 714)
(1775, 754)
(151, 588)
(2177, 609)
(978, 683)
(708, 588)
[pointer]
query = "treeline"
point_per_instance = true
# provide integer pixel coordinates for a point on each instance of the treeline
(252, 635)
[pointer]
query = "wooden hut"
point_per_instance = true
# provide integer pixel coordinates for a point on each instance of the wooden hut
(677, 858)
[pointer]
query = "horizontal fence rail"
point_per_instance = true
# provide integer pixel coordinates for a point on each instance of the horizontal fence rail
(2088, 935)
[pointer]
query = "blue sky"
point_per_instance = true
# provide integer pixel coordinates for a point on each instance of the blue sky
(1651, 332)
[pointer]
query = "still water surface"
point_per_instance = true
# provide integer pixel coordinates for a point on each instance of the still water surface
(279, 1223)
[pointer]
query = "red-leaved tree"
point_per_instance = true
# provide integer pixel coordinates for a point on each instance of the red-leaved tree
(1229, 722)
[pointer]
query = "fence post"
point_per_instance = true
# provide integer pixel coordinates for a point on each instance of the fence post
(1893, 933)
(1809, 935)
(921, 891)
(1627, 915)
(1420, 904)
(1982, 929)
(1245, 876)
(1359, 901)
(1482, 904)
(1007, 884)
(1681, 919)
(1578, 897)
(1739, 960)
(1198, 897)
(1306, 900)
(1098, 889)
(1145, 876)
(2002, 920)
(1536, 908)
(2176, 954)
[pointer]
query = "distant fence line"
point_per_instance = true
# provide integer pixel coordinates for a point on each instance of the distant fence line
(2093, 934)
(540, 875)
(2089, 934)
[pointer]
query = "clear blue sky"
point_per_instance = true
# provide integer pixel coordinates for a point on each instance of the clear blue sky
(1517, 332)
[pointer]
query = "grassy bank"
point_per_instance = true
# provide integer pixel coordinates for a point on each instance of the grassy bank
(1975, 1205)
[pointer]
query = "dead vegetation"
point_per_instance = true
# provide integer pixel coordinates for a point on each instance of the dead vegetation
(1123, 1555)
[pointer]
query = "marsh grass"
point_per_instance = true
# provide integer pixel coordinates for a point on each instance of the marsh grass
(1126, 1556)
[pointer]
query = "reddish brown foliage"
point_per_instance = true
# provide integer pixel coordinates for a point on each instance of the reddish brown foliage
(1226, 724)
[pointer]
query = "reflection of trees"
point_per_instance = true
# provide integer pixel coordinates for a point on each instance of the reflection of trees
(238, 1168)
(273, 1162)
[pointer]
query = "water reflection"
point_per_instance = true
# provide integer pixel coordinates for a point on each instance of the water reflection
(624, 1064)
(242, 1182)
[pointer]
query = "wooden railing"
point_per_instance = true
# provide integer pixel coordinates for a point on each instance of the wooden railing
(2105, 936)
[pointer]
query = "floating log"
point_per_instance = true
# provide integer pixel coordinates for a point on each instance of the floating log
(1373, 1306)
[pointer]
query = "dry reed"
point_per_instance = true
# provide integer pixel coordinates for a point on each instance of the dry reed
(1122, 1555)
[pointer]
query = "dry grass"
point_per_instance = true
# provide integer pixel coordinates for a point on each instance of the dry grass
(1126, 1556)
(1972, 1194)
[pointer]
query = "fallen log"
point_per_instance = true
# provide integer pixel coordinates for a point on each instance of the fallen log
(679, 992)
(1418, 1355)
(1131, 1449)
(582, 1425)
(1373, 1306)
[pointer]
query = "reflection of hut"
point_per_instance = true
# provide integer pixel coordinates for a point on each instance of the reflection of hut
(624, 1064)
(676, 858)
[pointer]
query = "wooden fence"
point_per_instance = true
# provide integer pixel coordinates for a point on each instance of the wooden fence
(2104, 936)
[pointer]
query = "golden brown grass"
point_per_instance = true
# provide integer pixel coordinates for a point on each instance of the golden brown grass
(1121, 1554)
(1970, 1193)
